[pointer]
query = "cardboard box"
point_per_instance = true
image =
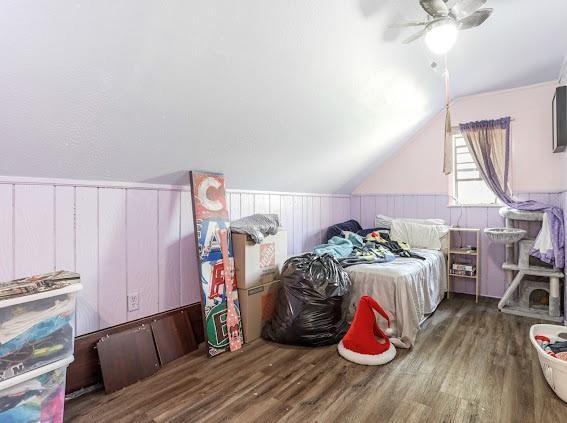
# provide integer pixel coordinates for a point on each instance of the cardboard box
(257, 264)
(257, 305)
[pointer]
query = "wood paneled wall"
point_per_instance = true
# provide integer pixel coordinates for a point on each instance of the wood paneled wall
(364, 208)
(125, 238)
(305, 217)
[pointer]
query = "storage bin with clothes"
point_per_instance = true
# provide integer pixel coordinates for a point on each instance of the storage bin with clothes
(35, 396)
(37, 318)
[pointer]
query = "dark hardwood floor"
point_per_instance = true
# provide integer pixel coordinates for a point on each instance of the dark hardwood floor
(470, 364)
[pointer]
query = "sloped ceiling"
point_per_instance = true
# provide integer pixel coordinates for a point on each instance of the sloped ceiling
(279, 95)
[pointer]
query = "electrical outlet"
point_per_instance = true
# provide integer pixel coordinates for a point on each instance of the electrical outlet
(133, 301)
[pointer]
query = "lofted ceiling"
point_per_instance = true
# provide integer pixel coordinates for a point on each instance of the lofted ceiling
(279, 95)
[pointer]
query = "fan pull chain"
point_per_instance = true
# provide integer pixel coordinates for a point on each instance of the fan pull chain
(447, 135)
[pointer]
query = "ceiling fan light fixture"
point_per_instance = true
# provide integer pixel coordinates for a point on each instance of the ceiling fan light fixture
(441, 36)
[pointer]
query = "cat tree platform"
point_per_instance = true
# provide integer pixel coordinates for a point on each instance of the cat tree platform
(517, 298)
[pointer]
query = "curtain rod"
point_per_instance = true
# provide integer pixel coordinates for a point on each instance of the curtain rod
(457, 126)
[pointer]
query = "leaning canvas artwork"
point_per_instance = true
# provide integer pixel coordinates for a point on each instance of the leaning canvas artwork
(211, 217)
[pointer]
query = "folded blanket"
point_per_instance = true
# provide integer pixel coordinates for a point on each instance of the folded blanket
(257, 226)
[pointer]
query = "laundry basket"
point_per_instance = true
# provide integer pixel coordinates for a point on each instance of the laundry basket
(554, 369)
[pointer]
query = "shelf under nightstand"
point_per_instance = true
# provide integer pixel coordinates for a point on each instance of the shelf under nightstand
(456, 251)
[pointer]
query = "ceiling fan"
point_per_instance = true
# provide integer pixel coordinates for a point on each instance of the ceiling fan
(446, 18)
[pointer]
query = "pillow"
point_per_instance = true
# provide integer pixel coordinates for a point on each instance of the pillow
(385, 222)
(443, 230)
(419, 235)
(382, 221)
(425, 221)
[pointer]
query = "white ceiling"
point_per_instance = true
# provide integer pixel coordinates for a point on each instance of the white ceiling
(280, 95)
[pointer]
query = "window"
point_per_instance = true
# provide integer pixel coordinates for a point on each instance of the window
(469, 186)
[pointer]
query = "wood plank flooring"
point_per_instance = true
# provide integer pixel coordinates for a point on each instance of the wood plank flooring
(470, 364)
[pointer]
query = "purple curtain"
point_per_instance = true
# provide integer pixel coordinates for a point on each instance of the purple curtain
(489, 144)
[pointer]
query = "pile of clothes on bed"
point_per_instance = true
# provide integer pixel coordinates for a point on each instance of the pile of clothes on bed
(317, 288)
(352, 245)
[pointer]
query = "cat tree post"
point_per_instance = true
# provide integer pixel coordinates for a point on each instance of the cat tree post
(510, 255)
(554, 297)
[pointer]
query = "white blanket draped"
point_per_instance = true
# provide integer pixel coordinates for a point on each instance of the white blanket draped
(408, 289)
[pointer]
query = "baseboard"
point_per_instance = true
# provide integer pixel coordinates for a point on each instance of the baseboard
(85, 370)
(473, 296)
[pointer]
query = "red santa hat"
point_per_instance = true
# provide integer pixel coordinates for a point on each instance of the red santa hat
(365, 343)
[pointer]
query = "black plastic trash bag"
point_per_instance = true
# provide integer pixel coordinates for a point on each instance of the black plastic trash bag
(309, 310)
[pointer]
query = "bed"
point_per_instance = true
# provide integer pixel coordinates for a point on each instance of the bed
(408, 289)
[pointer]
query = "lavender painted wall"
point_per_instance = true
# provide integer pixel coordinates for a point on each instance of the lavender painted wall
(305, 217)
(492, 281)
(124, 238)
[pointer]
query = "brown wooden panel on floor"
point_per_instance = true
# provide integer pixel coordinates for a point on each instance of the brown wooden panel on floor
(127, 357)
(470, 363)
(173, 336)
(195, 312)
(84, 371)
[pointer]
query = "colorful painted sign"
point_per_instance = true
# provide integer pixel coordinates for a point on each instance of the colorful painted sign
(232, 316)
(210, 217)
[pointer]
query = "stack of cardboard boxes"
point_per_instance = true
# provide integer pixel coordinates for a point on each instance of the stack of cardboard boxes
(258, 269)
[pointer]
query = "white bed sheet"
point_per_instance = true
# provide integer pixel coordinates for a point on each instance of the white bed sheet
(408, 289)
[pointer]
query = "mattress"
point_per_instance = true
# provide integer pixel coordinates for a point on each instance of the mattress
(408, 289)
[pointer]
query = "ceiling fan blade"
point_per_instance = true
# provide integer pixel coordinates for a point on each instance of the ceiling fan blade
(475, 19)
(408, 24)
(435, 8)
(464, 8)
(414, 37)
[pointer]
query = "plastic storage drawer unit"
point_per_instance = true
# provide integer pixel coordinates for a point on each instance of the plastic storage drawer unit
(35, 396)
(37, 318)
